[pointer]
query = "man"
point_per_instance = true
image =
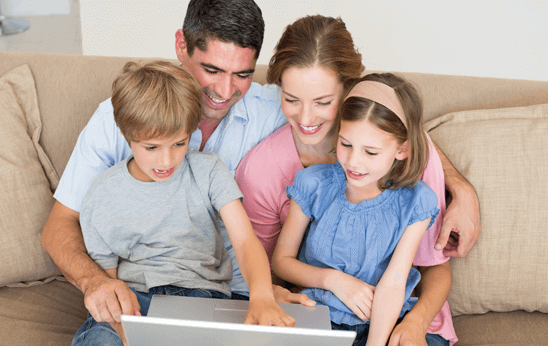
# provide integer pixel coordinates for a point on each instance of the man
(219, 43)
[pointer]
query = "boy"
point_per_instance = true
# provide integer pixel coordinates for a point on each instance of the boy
(151, 220)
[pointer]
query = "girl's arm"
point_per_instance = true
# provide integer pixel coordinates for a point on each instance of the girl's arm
(254, 266)
(354, 293)
(390, 292)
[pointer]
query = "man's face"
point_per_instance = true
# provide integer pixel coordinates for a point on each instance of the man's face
(224, 71)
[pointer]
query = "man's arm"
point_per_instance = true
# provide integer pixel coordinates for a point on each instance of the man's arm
(432, 290)
(62, 239)
(461, 225)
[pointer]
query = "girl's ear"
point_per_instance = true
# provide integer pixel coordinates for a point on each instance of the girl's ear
(403, 152)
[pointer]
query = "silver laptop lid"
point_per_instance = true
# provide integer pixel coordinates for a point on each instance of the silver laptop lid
(232, 311)
(141, 331)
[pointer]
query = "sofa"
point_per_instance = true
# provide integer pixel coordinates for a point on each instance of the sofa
(494, 131)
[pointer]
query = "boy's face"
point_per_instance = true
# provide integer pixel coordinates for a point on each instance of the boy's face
(157, 159)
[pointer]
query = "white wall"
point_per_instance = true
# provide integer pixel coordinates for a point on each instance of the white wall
(507, 39)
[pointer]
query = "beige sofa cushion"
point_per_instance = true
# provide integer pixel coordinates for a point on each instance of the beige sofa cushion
(504, 154)
(25, 191)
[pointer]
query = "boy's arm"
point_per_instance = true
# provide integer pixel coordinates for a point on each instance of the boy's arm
(432, 291)
(254, 266)
(62, 239)
(390, 292)
(461, 225)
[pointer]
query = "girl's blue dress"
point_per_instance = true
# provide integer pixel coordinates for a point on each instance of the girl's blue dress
(358, 239)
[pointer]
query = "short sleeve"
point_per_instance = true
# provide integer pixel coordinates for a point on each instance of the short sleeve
(313, 188)
(425, 204)
(222, 186)
(100, 145)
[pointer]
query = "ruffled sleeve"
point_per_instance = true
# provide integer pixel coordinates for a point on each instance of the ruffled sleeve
(425, 204)
(313, 189)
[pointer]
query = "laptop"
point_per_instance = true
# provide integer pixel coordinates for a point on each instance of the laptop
(175, 320)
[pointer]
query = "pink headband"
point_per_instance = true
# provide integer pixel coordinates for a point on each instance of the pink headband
(380, 93)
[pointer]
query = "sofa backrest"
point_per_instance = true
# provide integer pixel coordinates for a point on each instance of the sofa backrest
(70, 87)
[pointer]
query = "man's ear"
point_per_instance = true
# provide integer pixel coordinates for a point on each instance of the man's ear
(403, 152)
(180, 45)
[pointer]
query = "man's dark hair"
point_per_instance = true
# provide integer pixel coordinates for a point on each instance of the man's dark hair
(237, 21)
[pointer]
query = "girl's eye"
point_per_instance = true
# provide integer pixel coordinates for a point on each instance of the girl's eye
(370, 153)
(346, 145)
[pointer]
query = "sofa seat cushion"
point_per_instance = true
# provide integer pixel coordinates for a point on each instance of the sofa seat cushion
(502, 328)
(48, 314)
(503, 154)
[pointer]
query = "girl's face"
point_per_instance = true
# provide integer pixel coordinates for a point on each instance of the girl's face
(310, 99)
(366, 154)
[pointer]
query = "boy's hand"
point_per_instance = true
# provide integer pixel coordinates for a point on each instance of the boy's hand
(356, 294)
(107, 298)
(283, 295)
(266, 312)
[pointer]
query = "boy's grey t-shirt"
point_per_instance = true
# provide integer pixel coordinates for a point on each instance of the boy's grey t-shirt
(162, 233)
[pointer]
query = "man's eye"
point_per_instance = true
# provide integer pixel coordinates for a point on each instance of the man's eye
(210, 71)
(244, 76)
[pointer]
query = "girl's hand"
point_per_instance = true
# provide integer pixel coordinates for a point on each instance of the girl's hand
(354, 293)
(266, 312)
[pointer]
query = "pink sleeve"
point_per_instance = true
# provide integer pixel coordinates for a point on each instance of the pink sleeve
(258, 179)
(433, 176)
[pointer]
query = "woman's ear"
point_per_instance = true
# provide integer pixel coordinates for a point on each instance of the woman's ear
(403, 152)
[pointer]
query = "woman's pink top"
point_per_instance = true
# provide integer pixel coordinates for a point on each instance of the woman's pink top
(270, 167)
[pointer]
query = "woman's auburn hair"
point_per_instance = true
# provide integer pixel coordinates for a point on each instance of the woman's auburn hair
(407, 172)
(316, 40)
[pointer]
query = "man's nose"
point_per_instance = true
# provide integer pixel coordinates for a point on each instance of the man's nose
(225, 87)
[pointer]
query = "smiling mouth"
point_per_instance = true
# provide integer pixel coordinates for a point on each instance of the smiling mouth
(216, 100)
(310, 130)
(355, 175)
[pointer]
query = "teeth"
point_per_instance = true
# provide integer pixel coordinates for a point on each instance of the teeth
(216, 100)
(159, 171)
(309, 128)
(356, 173)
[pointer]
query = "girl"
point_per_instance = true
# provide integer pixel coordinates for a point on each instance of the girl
(365, 214)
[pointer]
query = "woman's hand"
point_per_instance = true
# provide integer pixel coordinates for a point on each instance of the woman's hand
(356, 294)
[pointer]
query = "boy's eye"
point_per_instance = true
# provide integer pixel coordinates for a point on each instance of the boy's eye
(180, 144)
(151, 148)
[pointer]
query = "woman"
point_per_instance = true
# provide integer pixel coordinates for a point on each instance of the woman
(315, 62)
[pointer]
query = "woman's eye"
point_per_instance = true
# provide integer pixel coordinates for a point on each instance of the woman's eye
(290, 101)
(324, 103)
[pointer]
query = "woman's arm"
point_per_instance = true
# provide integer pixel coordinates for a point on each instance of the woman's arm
(254, 266)
(354, 293)
(390, 292)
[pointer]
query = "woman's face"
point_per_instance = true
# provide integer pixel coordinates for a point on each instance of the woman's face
(310, 99)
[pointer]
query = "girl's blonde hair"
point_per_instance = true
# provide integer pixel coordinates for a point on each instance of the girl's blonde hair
(408, 171)
(158, 99)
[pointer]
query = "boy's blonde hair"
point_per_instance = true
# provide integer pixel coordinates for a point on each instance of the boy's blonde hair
(158, 99)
